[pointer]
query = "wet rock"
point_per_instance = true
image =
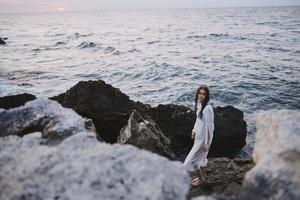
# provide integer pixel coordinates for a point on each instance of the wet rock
(177, 123)
(82, 168)
(145, 134)
(108, 107)
(42, 115)
(230, 131)
(2, 42)
(224, 177)
(90, 127)
(13, 101)
(276, 174)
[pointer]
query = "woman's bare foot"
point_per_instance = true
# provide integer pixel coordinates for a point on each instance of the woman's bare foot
(196, 182)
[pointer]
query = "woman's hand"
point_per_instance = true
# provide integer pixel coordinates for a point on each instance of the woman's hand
(193, 135)
(206, 147)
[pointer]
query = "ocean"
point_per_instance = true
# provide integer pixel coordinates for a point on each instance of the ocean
(249, 57)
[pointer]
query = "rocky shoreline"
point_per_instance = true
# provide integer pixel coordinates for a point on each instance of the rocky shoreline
(81, 144)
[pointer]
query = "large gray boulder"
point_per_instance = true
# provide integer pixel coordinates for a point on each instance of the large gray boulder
(276, 174)
(82, 168)
(44, 115)
(145, 134)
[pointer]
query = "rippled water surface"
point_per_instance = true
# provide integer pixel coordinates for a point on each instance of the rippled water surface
(249, 57)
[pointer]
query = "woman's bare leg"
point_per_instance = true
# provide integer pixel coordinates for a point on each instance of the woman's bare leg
(200, 174)
(197, 181)
(202, 169)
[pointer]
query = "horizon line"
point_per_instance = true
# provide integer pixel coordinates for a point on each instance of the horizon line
(144, 9)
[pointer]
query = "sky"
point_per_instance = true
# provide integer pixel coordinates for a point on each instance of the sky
(12, 6)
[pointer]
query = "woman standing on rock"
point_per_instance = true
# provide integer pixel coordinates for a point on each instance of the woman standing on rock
(202, 134)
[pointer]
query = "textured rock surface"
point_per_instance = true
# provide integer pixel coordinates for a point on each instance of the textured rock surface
(15, 100)
(44, 115)
(82, 168)
(276, 174)
(110, 110)
(224, 177)
(230, 131)
(145, 134)
(2, 42)
(108, 107)
(177, 123)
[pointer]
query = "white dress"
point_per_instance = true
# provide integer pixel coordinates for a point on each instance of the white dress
(204, 129)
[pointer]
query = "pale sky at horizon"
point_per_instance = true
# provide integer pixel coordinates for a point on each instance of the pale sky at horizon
(10, 6)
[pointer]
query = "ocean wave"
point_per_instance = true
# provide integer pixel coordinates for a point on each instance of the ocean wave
(194, 36)
(153, 42)
(218, 35)
(78, 35)
(278, 49)
(60, 43)
(267, 23)
(54, 34)
(84, 45)
(10, 89)
(109, 49)
(133, 50)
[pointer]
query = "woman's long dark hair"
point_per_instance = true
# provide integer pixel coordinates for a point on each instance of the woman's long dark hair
(205, 88)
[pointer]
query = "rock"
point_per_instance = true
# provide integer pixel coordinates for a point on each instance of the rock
(213, 198)
(2, 42)
(276, 174)
(177, 122)
(110, 110)
(82, 168)
(108, 107)
(145, 134)
(230, 131)
(90, 127)
(232, 189)
(44, 115)
(224, 177)
(15, 100)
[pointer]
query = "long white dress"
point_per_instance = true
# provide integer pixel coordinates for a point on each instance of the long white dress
(204, 129)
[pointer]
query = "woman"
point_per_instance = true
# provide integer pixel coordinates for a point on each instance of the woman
(202, 134)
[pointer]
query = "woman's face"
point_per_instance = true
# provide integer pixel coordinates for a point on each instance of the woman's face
(201, 95)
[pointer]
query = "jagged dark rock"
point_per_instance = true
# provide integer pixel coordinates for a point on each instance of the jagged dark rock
(110, 109)
(2, 42)
(230, 131)
(14, 101)
(177, 123)
(145, 134)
